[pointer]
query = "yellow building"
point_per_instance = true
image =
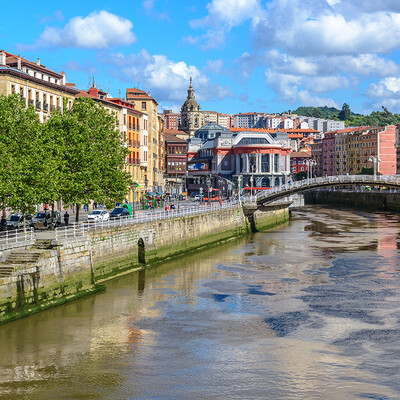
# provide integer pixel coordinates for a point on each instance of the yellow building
(36, 84)
(153, 164)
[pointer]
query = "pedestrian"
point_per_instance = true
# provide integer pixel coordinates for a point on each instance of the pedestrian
(3, 223)
(86, 207)
(95, 205)
(66, 218)
(172, 206)
(220, 202)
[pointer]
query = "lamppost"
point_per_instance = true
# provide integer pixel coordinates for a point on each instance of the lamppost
(145, 193)
(208, 181)
(251, 188)
(134, 185)
(311, 163)
(239, 188)
(375, 160)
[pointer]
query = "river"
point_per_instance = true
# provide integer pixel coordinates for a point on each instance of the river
(309, 310)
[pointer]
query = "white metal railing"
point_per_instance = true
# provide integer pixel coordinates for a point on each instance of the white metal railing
(82, 228)
(389, 180)
(16, 238)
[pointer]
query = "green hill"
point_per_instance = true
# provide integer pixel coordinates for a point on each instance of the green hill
(319, 112)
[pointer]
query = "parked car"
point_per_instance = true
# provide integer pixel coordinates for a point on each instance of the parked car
(16, 221)
(120, 212)
(44, 217)
(98, 216)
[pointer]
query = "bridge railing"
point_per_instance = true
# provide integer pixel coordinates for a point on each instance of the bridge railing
(330, 180)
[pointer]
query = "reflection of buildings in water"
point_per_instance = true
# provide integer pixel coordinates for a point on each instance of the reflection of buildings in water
(388, 236)
(317, 370)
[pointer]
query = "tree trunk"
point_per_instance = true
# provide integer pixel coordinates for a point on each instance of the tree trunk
(77, 212)
(52, 217)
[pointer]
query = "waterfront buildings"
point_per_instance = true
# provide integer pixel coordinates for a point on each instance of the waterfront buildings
(175, 162)
(299, 161)
(248, 159)
(350, 150)
(153, 170)
(36, 84)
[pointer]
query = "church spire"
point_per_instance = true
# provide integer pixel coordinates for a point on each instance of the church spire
(190, 90)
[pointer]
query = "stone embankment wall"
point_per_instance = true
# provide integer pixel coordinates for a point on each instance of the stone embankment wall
(56, 277)
(77, 267)
(366, 200)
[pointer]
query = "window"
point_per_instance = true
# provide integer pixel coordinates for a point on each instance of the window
(143, 105)
(12, 89)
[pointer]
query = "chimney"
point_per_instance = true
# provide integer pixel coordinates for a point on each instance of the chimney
(93, 91)
(19, 65)
(38, 62)
(63, 78)
(2, 58)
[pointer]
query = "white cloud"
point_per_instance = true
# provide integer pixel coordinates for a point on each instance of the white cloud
(99, 30)
(224, 15)
(289, 88)
(313, 27)
(148, 4)
(214, 66)
(385, 88)
(168, 80)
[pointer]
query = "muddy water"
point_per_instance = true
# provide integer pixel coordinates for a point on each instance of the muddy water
(307, 311)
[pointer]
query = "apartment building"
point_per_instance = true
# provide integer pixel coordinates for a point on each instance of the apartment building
(39, 86)
(248, 120)
(144, 102)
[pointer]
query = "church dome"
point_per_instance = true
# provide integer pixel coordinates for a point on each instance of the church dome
(190, 104)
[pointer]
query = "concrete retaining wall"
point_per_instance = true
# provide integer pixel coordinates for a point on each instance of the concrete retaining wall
(365, 200)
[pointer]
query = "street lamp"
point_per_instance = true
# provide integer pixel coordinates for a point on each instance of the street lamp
(251, 188)
(134, 185)
(375, 160)
(208, 181)
(239, 188)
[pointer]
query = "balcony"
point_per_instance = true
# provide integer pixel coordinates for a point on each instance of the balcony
(31, 102)
(38, 105)
(45, 106)
(52, 108)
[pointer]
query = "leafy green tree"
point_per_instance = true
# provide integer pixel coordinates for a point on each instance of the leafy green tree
(345, 113)
(22, 155)
(300, 176)
(93, 155)
(317, 113)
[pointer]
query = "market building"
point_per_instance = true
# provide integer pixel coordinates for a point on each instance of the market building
(246, 159)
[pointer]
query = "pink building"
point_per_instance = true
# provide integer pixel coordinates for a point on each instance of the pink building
(328, 151)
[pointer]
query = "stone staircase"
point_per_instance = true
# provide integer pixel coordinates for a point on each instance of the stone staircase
(24, 257)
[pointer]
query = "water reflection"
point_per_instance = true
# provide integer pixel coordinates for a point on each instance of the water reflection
(308, 310)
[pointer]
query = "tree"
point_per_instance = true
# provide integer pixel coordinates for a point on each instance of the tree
(300, 176)
(22, 155)
(316, 113)
(345, 114)
(93, 155)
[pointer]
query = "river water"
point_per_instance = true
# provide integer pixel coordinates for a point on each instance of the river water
(309, 310)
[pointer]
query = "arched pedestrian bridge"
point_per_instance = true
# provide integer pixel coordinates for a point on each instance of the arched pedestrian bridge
(279, 192)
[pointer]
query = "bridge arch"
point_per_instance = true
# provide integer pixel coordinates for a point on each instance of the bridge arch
(278, 192)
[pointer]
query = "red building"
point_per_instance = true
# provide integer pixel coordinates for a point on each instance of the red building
(175, 163)
(298, 161)
(172, 120)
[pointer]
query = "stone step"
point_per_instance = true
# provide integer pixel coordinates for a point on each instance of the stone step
(6, 271)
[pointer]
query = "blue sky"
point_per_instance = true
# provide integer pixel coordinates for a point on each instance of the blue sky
(243, 55)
